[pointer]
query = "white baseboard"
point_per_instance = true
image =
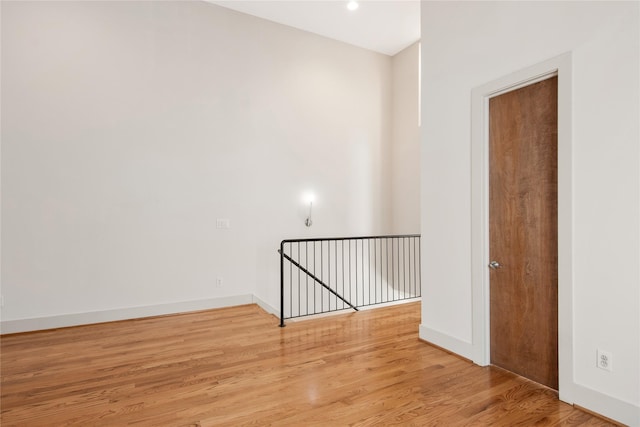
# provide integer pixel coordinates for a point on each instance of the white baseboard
(76, 319)
(266, 307)
(610, 407)
(462, 348)
(390, 303)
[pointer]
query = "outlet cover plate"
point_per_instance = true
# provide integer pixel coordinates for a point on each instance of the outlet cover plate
(604, 360)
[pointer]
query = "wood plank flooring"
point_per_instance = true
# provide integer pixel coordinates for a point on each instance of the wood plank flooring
(236, 367)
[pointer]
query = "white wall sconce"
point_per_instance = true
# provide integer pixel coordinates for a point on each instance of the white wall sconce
(308, 221)
(309, 198)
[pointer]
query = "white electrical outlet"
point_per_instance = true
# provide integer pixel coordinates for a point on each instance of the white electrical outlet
(224, 223)
(219, 282)
(604, 360)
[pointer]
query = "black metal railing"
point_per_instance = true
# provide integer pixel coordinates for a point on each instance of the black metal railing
(330, 274)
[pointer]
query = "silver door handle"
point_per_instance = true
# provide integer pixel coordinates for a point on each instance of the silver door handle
(495, 265)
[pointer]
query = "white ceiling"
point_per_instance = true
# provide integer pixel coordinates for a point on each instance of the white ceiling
(385, 26)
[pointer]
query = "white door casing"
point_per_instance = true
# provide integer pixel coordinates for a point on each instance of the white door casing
(562, 67)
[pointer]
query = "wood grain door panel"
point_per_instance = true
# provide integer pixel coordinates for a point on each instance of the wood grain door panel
(523, 231)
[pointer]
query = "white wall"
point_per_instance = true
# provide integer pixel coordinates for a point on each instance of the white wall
(464, 46)
(129, 127)
(405, 147)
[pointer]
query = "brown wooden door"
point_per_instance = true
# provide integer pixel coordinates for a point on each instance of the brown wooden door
(523, 231)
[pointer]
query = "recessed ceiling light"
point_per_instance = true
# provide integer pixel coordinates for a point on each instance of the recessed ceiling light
(352, 5)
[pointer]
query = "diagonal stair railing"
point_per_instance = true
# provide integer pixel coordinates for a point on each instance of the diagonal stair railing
(323, 275)
(320, 282)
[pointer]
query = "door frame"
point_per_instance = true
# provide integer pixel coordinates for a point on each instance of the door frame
(562, 67)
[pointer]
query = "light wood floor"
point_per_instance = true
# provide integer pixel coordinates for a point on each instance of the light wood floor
(235, 367)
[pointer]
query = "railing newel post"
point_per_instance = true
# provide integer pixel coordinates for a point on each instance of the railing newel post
(281, 251)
